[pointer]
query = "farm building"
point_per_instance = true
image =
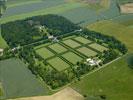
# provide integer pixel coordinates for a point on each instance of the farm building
(93, 62)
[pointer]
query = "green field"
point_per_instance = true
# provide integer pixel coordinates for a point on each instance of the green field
(72, 57)
(121, 32)
(18, 81)
(58, 63)
(114, 81)
(82, 40)
(57, 48)
(44, 52)
(3, 43)
(86, 51)
(71, 43)
(97, 47)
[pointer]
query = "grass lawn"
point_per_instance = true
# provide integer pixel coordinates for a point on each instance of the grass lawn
(114, 81)
(71, 43)
(86, 51)
(58, 48)
(121, 32)
(82, 40)
(3, 43)
(72, 57)
(58, 63)
(98, 47)
(44, 52)
(18, 81)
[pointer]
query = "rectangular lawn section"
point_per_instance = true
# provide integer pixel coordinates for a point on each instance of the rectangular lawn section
(71, 43)
(18, 81)
(98, 47)
(58, 63)
(44, 52)
(72, 57)
(86, 51)
(82, 40)
(58, 48)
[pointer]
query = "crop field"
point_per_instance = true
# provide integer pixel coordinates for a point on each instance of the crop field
(58, 64)
(97, 47)
(82, 40)
(77, 12)
(71, 43)
(86, 51)
(44, 52)
(18, 81)
(72, 57)
(58, 48)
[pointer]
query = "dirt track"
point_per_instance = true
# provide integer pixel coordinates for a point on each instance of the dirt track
(127, 8)
(65, 94)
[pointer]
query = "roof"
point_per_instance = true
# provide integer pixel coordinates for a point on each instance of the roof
(1, 50)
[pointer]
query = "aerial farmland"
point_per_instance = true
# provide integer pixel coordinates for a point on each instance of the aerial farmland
(66, 49)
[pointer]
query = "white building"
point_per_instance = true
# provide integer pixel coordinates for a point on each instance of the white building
(93, 62)
(1, 51)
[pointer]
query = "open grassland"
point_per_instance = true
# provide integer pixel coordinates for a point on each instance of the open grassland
(58, 63)
(86, 51)
(57, 48)
(82, 40)
(114, 81)
(72, 57)
(97, 47)
(18, 81)
(44, 52)
(71, 43)
(121, 32)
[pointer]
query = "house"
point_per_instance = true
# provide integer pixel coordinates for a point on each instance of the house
(50, 37)
(93, 62)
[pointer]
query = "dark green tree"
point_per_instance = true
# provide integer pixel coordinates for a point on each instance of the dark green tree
(130, 61)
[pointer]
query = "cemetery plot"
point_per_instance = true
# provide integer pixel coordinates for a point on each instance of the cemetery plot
(82, 40)
(72, 57)
(44, 53)
(98, 47)
(87, 52)
(58, 63)
(58, 48)
(71, 43)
